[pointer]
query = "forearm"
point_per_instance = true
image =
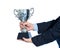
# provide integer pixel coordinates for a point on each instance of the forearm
(48, 36)
(44, 26)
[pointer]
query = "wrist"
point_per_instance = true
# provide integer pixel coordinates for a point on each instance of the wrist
(32, 27)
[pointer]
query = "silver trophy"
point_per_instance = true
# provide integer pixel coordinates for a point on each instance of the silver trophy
(23, 15)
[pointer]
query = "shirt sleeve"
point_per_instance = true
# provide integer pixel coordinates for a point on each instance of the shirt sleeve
(35, 27)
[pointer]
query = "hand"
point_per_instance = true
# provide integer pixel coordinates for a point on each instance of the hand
(27, 40)
(28, 26)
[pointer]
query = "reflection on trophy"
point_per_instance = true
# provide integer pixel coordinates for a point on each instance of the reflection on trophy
(23, 15)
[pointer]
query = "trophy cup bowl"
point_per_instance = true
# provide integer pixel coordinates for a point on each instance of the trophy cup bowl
(23, 15)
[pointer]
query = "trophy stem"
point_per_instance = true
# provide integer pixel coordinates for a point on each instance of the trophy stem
(24, 30)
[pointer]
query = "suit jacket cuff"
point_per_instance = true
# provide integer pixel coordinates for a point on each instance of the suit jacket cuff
(37, 41)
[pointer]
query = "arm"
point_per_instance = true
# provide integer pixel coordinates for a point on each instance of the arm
(43, 27)
(50, 35)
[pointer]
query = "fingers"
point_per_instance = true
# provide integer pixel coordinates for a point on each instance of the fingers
(27, 25)
(23, 24)
(27, 40)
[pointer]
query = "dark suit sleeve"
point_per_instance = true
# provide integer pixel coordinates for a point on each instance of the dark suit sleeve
(44, 26)
(48, 36)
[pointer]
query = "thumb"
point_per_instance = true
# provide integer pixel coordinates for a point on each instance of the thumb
(25, 39)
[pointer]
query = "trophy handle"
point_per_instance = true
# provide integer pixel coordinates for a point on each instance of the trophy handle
(31, 11)
(15, 12)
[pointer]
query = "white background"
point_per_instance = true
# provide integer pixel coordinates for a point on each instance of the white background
(45, 10)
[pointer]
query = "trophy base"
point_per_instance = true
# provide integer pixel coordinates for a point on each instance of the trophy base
(22, 34)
